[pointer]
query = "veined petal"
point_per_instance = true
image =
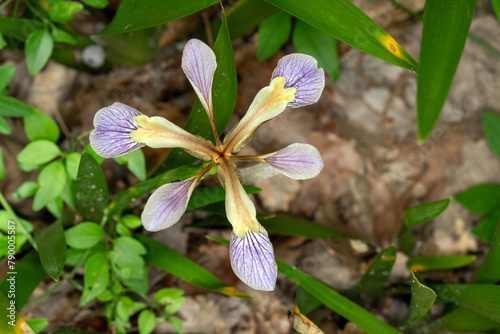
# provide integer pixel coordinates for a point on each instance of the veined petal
(167, 204)
(113, 125)
(240, 209)
(252, 260)
(301, 72)
(158, 132)
(269, 102)
(297, 161)
(199, 64)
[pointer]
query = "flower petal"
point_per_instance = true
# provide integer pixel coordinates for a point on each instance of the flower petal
(158, 132)
(240, 209)
(113, 125)
(269, 102)
(301, 72)
(167, 204)
(252, 260)
(297, 161)
(199, 64)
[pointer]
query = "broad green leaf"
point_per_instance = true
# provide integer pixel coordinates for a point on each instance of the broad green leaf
(38, 49)
(224, 100)
(12, 107)
(175, 305)
(18, 28)
(4, 127)
(51, 183)
(423, 213)
(2, 166)
(38, 152)
(52, 249)
(373, 281)
(55, 206)
(72, 162)
(445, 30)
(27, 189)
(37, 325)
(209, 195)
(491, 127)
(146, 322)
(62, 36)
(178, 265)
(305, 301)
(3, 43)
(489, 272)
(40, 126)
(422, 298)
(6, 74)
(320, 45)
(96, 277)
(496, 7)
(176, 323)
(128, 246)
(344, 21)
(84, 235)
(442, 262)
(91, 189)
(131, 221)
(28, 274)
(461, 320)
(96, 3)
(165, 296)
(273, 34)
(135, 15)
(91, 151)
(479, 298)
(63, 11)
(482, 199)
(136, 163)
(485, 230)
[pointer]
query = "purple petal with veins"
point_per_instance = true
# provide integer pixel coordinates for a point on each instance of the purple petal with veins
(113, 125)
(297, 161)
(167, 205)
(301, 72)
(252, 260)
(199, 64)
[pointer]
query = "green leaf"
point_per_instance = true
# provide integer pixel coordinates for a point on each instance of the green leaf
(320, 45)
(146, 322)
(96, 3)
(344, 21)
(91, 151)
(273, 34)
(40, 126)
(460, 320)
(2, 167)
(19, 28)
(4, 127)
(72, 162)
(482, 199)
(84, 235)
(485, 230)
(12, 107)
(38, 152)
(29, 273)
(62, 36)
(305, 301)
(175, 305)
(422, 298)
(496, 7)
(52, 249)
(176, 323)
(209, 195)
(479, 298)
(373, 281)
(131, 221)
(425, 212)
(3, 43)
(442, 262)
(6, 74)
(14, 322)
(491, 127)
(128, 246)
(489, 272)
(224, 100)
(166, 295)
(63, 11)
(91, 189)
(27, 189)
(178, 265)
(136, 163)
(96, 278)
(133, 15)
(51, 182)
(55, 207)
(37, 325)
(39, 46)
(445, 30)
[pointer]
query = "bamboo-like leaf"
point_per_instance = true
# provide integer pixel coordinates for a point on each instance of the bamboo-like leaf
(461, 320)
(491, 127)
(482, 199)
(485, 229)
(445, 29)
(489, 272)
(428, 263)
(141, 14)
(14, 322)
(344, 21)
(377, 274)
(52, 249)
(422, 298)
(178, 265)
(273, 34)
(425, 212)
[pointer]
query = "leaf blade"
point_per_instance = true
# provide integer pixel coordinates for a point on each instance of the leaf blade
(52, 249)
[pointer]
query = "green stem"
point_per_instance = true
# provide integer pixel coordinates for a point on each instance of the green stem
(49, 292)
(13, 215)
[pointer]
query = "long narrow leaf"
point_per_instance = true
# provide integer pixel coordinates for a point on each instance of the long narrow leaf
(377, 274)
(489, 272)
(344, 21)
(446, 25)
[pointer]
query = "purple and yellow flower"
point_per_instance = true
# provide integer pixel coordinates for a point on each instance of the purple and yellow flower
(120, 129)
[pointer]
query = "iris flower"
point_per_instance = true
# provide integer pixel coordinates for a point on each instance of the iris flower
(120, 129)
